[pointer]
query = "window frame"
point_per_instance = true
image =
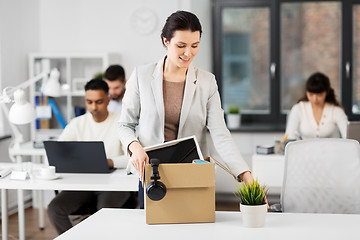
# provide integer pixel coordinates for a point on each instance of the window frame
(276, 120)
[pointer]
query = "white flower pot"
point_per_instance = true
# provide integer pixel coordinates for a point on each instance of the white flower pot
(233, 120)
(253, 216)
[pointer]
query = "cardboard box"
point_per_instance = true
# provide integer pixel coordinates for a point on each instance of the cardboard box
(190, 196)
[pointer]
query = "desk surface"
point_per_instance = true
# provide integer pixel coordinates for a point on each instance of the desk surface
(130, 224)
(115, 181)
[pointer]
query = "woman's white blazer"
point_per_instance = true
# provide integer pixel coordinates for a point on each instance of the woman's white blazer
(143, 105)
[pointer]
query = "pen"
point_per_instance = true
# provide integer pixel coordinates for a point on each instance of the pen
(284, 138)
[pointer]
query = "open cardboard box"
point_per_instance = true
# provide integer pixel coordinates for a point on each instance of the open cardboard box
(190, 196)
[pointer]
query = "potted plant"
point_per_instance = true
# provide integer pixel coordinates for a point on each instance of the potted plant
(98, 75)
(233, 117)
(252, 203)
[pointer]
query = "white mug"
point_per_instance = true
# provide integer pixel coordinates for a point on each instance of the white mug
(48, 171)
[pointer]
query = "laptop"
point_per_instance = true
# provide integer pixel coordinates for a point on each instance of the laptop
(77, 156)
(353, 130)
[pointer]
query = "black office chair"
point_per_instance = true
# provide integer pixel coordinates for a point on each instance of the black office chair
(91, 208)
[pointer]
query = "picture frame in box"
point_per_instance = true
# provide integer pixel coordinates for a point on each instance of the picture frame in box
(182, 150)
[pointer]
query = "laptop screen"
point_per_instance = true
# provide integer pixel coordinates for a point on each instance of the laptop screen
(77, 156)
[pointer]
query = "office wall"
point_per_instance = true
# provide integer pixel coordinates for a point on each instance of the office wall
(19, 35)
(129, 28)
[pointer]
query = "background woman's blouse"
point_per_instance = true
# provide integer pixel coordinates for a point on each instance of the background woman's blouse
(302, 120)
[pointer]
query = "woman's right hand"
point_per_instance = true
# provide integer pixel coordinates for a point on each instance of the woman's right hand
(138, 158)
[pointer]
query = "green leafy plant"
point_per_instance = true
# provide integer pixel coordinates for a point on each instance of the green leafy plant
(252, 193)
(98, 75)
(233, 109)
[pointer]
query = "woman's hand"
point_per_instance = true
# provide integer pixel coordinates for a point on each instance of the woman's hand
(247, 178)
(138, 158)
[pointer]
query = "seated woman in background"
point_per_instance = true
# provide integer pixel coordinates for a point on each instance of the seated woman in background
(317, 113)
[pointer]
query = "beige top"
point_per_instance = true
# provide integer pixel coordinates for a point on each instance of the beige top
(173, 96)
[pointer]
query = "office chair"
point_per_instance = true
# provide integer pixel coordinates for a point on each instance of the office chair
(321, 176)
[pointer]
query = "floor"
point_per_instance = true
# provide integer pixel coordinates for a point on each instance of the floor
(32, 227)
(34, 233)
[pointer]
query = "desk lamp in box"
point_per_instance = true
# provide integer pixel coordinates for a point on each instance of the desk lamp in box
(22, 112)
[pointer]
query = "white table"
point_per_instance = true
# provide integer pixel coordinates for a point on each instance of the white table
(115, 181)
(27, 149)
(130, 224)
(269, 169)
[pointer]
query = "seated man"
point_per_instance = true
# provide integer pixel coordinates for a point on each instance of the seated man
(97, 125)
(114, 76)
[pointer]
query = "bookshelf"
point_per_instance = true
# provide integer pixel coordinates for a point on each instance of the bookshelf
(75, 70)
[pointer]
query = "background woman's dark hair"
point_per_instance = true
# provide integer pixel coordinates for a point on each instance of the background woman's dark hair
(318, 83)
(97, 84)
(180, 20)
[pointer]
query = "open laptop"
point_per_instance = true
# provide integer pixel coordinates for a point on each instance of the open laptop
(353, 130)
(77, 156)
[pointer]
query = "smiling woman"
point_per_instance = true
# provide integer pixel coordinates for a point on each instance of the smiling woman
(171, 100)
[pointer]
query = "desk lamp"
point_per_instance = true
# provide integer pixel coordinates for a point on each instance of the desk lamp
(22, 112)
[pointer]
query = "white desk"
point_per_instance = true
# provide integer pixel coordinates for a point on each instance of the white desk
(116, 181)
(27, 149)
(269, 169)
(130, 224)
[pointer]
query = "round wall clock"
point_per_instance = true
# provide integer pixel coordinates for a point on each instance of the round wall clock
(144, 20)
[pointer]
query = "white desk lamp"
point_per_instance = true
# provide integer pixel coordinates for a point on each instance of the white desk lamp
(22, 112)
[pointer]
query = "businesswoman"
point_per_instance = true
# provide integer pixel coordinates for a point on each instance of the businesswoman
(317, 113)
(171, 99)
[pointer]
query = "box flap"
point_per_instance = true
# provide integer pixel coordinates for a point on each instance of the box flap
(184, 175)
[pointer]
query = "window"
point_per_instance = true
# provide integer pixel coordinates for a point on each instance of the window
(356, 60)
(246, 45)
(310, 42)
(266, 50)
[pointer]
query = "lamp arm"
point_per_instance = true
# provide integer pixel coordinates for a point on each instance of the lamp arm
(18, 137)
(29, 82)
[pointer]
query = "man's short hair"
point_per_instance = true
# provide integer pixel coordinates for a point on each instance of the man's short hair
(114, 72)
(97, 84)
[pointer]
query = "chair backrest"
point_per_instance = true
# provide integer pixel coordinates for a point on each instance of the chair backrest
(322, 176)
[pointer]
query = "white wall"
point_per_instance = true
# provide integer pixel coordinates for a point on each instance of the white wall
(19, 35)
(114, 26)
